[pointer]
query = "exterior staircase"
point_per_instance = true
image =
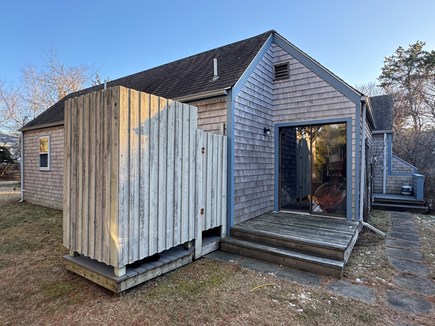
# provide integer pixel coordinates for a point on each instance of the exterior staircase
(316, 244)
(394, 202)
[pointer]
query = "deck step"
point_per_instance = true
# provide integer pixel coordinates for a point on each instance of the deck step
(315, 244)
(283, 256)
(402, 207)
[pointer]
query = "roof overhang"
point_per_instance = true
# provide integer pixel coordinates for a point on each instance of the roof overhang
(47, 125)
(203, 95)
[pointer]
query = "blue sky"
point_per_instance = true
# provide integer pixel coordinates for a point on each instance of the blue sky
(118, 38)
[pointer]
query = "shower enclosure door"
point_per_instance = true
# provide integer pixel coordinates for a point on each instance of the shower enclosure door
(313, 168)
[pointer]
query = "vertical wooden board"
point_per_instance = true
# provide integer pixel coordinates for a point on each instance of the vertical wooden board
(170, 176)
(163, 121)
(144, 174)
(91, 174)
(154, 174)
(67, 176)
(98, 177)
(215, 180)
(124, 169)
(192, 175)
(224, 187)
(85, 176)
(177, 228)
(74, 160)
(185, 176)
(79, 225)
(107, 174)
(134, 231)
(218, 207)
(198, 193)
(114, 180)
(209, 184)
(204, 180)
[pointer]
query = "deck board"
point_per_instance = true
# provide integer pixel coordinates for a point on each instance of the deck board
(304, 226)
(314, 243)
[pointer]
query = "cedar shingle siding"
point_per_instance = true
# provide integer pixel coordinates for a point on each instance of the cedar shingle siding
(44, 187)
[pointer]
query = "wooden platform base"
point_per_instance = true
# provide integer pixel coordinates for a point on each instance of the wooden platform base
(135, 274)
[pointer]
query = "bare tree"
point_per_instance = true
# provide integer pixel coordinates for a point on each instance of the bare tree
(12, 110)
(370, 89)
(40, 89)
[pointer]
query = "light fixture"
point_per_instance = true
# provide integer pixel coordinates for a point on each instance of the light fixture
(266, 131)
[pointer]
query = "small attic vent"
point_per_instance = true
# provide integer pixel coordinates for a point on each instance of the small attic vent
(282, 71)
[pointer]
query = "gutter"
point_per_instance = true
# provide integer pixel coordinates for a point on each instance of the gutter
(203, 95)
(22, 167)
(46, 125)
(362, 161)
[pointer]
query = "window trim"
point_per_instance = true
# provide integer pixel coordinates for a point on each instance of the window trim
(44, 168)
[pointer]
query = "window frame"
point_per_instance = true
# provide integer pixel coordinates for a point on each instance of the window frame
(44, 168)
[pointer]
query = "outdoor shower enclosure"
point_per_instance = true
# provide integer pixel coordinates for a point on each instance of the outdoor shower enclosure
(139, 177)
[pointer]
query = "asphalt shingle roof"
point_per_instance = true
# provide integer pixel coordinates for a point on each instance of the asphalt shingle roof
(382, 107)
(188, 76)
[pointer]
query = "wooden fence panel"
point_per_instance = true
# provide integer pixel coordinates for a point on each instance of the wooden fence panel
(214, 178)
(136, 178)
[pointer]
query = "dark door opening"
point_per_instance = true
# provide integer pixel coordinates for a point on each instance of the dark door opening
(312, 169)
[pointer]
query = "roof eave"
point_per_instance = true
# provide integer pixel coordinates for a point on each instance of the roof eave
(42, 126)
(203, 95)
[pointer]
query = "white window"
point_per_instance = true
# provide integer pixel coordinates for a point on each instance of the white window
(44, 153)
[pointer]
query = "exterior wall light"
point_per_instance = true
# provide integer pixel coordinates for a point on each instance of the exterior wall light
(266, 131)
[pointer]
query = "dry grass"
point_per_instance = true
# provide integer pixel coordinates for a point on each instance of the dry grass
(36, 289)
(426, 226)
(368, 263)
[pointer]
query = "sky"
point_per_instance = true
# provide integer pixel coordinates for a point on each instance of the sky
(118, 38)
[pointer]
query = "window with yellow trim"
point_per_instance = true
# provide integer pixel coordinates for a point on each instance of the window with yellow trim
(44, 153)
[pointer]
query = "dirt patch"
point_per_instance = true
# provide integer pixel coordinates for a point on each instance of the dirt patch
(36, 289)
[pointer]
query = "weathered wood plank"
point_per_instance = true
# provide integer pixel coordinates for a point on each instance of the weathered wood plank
(67, 176)
(224, 187)
(144, 174)
(185, 176)
(92, 175)
(114, 180)
(192, 175)
(80, 224)
(170, 186)
(134, 178)
(209, 183)
(84, 174)
(162, 169)
(199, 217)
(99, 177)
(178, 172)
(154, 174)
(124, 180)
(106, 175)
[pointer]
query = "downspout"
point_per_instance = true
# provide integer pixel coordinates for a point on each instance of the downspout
(384, 168)
(362, 162)
(362, 175)
(22, 167)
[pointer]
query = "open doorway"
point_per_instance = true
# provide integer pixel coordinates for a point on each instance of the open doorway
(312, 169)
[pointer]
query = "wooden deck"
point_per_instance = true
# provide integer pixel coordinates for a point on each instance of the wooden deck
(313, 243)
(399, 202)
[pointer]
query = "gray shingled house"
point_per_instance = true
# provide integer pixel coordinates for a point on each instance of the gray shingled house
(299, 139)
(396, 183)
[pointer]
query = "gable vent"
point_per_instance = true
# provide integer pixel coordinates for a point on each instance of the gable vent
(282, 71)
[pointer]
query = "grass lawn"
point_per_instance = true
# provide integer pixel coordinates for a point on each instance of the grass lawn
(36, 289)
